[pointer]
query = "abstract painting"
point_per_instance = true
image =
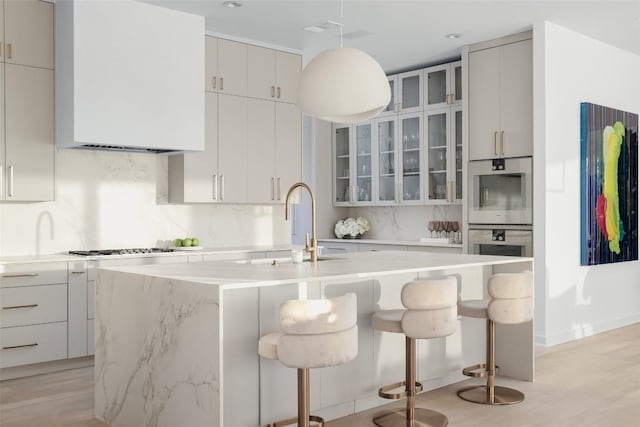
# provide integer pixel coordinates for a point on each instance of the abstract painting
(609, 185)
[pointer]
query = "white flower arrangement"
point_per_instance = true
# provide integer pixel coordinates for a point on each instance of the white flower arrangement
(351, 227)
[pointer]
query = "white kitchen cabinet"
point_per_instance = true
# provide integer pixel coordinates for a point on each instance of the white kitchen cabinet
(409, 153)
(386, 138)
(353, 167)
(288, 155)
(31, 305)
(77, 298)
(273, 74)
(232, 67)
(392, 106)
(29, 133)
(28, 33)
(501, 101)
(288, 71)
(194, 177)
(261, 151)
(23, 345)
(211, 64)
(232, 147)
(443, 85)
(443, 134)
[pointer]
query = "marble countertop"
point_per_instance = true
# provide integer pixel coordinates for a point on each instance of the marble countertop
(258, 273)
(62, 257)
(394, 242)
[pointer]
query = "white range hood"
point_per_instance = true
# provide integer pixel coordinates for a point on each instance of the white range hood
(129, 77)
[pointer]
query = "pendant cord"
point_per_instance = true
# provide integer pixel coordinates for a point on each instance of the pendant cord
(341, 21)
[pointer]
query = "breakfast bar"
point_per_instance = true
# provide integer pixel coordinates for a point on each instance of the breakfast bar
(176, 344)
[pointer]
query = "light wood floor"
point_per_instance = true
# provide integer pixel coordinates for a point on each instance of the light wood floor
(591, 382)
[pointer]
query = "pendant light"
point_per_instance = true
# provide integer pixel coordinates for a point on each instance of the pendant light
(343, 85)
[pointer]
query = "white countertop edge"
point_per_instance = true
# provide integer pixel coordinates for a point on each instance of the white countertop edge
(394, 242)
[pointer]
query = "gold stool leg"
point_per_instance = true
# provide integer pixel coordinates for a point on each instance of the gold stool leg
(304, 408)
(490, 394)
(411, 416)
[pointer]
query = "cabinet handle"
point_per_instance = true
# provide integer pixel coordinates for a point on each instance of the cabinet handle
(221, 83)
(20, 346)
(278, 92)
(9, 50)
(273, 184)
(215, 187)
(13, 307)
(13, 276)
(273, 91)
(213, 82)
(77, 272)
(502, 142)
(495, 143)
(10, 181)
(221, 187)
(279, 195)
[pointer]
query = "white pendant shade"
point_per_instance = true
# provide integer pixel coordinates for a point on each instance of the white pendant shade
(343, 85)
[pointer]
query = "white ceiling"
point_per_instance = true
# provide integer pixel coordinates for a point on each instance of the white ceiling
(407, 34)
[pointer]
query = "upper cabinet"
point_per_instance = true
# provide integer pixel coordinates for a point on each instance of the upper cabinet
(443, 85)
(501, 101)
(273, 75)
(27, 150)
(232, 67)
(406, 93)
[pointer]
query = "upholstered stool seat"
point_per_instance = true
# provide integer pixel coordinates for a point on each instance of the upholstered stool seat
(313, 334)
(430, 313)
(511, 302)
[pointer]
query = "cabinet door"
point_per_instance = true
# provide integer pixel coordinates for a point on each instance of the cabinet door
(211, 64)
(455, 82)
(392, 107)
(484, 104)
(29, 33)
(436, 86)
(29, 105)
(410, 149)
(201, 168)
(261, 72)
(410, 91)
(386, 141)
(516, 100)
(232, 67)
(455, 151)
(288, 70)
(3, 170)
(342, 165)
(437, 138)
(288, 148)
(232, 148)
(364, 164)
(261, 147)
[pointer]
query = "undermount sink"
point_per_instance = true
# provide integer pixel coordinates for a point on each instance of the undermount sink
(276, 261)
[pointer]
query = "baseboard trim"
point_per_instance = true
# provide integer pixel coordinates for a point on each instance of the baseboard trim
(577, 333)
(45, 368)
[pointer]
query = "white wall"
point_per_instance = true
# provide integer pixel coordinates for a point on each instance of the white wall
(110, 200)
(579, 301)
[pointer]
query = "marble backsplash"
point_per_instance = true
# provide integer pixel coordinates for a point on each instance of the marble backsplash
(109, 200)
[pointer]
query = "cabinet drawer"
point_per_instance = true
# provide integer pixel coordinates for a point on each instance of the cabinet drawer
(23, 345)
(33, 274)
(30, 305)
(91, 299)
(91, 333)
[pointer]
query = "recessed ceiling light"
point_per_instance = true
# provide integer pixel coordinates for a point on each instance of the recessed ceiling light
(453, 36)
(231, 4)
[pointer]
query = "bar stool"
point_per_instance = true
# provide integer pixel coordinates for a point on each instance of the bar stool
(430, 313)
(511, 303)
(313, 334)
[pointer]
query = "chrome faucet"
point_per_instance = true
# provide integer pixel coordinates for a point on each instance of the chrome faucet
(312, 247)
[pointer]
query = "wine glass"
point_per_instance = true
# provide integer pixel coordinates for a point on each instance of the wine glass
(431, 227)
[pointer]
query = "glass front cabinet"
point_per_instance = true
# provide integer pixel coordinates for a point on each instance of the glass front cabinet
(406, 93)
(443, 85)
(353, 166)
(443, 133)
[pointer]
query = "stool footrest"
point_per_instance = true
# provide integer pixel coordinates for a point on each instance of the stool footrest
(473, 371)
(383, 391)
(313, 418)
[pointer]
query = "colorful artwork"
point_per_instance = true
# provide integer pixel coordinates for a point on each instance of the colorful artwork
(609, 185)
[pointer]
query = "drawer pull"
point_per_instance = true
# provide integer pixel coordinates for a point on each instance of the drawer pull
(7, 276)
(20, 346)
(12, 307)
(77, 272)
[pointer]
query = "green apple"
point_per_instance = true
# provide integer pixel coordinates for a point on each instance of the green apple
(187, 242)
(177, 243)
(195, 242)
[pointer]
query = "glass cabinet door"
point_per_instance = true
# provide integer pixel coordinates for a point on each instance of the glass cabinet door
(386, 142)
(410, 133)
(437, 153)
(456, 81)
(391, 107)
(364, 164)
(342, 163)
(457, 160)
(436, 86)
(410, 91)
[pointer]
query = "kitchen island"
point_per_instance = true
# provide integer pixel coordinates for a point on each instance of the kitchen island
(176, 344)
